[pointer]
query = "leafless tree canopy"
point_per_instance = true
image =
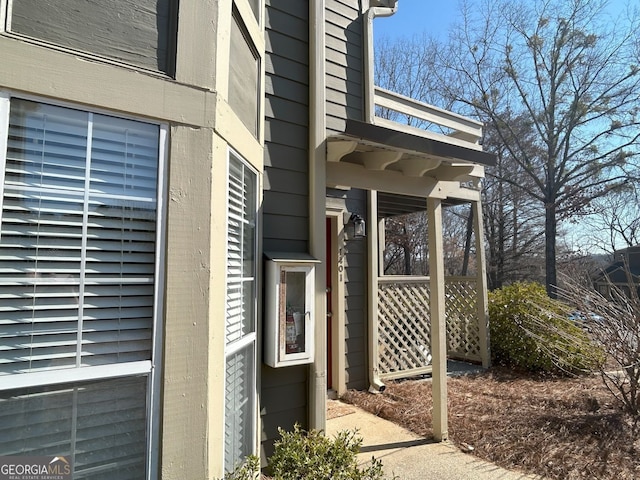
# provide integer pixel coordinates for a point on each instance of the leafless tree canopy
(617, 214)
(563, 72)
(406, 247)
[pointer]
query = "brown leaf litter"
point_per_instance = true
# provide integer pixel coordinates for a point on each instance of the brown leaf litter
(557, 427)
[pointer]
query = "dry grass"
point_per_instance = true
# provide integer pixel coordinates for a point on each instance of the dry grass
(560, 428)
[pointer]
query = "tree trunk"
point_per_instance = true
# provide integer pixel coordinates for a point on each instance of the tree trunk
(501, 251)
(467, 243)
(550, 231)
(407, 260)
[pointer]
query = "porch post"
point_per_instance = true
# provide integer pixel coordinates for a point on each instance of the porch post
(481, 282)
(438, 323)
(375, 384)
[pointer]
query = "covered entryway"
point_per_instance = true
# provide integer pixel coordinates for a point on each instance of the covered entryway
(403, 312)
(406, 320)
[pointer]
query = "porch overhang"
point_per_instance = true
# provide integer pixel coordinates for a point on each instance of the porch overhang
(378, 154)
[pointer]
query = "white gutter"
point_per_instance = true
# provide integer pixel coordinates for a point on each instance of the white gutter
(317, 201)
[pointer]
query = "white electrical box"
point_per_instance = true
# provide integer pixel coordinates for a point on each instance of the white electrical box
(289, 309)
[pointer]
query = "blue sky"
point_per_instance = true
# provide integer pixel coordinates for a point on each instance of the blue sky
(416, 17)
(434, 16)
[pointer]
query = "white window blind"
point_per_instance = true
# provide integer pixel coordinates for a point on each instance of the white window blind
(100, 426)
(78, 236)
(77, 239)
(240, 406)
(240, 367)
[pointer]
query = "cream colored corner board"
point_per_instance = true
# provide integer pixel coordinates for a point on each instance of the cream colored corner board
(3, 15)
(102, 85)
(254, 27)
(229, 127)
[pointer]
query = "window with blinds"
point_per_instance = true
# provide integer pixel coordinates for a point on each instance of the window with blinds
(78, 301)
(100, 425)
(240, 365)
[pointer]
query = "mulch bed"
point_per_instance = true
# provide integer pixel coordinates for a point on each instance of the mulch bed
(560, 428)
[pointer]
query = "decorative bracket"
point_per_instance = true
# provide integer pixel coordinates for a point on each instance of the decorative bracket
(336, 149)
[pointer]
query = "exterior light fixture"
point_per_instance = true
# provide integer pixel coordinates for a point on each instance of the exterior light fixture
(357, 224)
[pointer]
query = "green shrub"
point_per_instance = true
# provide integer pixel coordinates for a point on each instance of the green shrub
(311, 455)
(532, 331)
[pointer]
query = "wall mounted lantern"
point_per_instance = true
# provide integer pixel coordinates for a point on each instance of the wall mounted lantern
(356, 224)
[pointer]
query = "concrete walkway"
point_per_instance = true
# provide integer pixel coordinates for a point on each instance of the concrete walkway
(408, 456)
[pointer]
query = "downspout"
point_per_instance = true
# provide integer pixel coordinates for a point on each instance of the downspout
(317, 201)
(369, 87)
(376, 9)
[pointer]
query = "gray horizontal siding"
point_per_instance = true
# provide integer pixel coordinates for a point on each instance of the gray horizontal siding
(287, 89)
(283, 402)
(288, 47)
(295, 209)
(287, 226)
(285, 207)
(355, 278)
(356, 345)
(288, 20)
(344, 58)
(283, 157)
(288, 133)
(341, 97)
(286, 182)
(298, 71)
(293, 9)
(337, 71)
(297, 113)
(339, 30)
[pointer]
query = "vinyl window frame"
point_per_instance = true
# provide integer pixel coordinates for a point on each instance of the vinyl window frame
(250, 338)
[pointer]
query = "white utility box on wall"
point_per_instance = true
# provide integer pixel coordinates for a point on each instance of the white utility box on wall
(289, 309)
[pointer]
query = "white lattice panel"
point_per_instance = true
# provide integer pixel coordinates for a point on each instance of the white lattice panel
(463, 333)
(403, 327)
(404, 336)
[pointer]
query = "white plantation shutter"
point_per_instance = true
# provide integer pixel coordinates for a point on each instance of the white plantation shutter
(240, 408)
(77, 239)
(240, 392)
(240, 251)
(78, 262)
